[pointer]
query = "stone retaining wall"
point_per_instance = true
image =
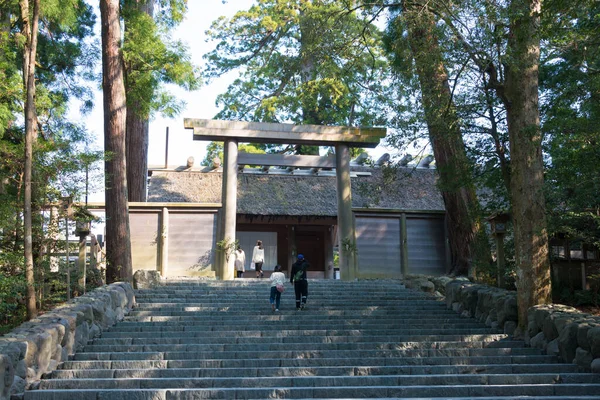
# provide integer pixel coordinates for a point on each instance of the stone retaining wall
(566, 332)
(36, 347)
(556, 329)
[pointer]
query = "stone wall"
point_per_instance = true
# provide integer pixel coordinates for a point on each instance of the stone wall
(36, 347)
(556, 329)
(566, 332)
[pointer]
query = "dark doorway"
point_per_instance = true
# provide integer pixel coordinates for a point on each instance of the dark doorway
(310, 241)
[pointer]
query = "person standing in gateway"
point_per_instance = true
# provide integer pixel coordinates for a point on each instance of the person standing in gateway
(298, 279)
(258, 257)
(240, 261)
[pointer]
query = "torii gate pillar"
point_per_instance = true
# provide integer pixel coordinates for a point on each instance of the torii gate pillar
(347, 237)
(229, 204)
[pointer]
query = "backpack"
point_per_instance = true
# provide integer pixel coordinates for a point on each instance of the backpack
(300, 272)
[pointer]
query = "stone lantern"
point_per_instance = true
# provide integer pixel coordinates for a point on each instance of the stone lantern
(498, 222)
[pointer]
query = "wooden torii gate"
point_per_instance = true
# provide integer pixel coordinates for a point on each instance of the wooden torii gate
(342, 138)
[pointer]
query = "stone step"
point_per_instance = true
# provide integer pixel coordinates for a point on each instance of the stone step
(324, 328)
(107, 373)
(319, 381)
(303, 316)
(363, 339)
(365, 297)
(255, 331)
(429, 341)
(341, 299)
(445, 323)
(192, 352)
(305, 362)
(211, 305)
(287, 314)
(145, 331)
(253, 282)
(567, 391)
(267, 311)
(269, 346)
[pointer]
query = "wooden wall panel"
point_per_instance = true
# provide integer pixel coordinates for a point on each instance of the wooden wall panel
(191, 242)
(426, 245)
(378, 244)
(144, 228)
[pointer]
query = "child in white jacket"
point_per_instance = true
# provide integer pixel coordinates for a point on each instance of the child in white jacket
(277, 279)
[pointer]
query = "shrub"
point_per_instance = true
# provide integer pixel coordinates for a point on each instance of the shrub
(12, 300)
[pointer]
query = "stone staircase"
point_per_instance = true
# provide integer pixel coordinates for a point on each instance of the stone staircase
(364, 339)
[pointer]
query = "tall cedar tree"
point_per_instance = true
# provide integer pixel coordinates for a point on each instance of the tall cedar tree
(30, 31)
(118, 249)
(137, 124)
(521, 99)
(514, 78)
(456, 183)
(151, 58)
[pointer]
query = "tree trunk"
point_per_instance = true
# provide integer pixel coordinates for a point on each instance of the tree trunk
(455, 176)
(29, 52)
(137, 154)
(527, 169)
(118, 250)
(137, 128)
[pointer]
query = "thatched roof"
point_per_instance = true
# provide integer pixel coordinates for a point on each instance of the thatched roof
(268, 194)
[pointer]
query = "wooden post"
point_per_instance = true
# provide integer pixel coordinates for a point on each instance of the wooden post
(229, 202)
(292, 251)
(164, 243)
(81, 261)
(329, 253)
(68, 210)
(404, 244)
(54, 222)
(500, 259)
(345, 224)
(94, 247)
(68, 264)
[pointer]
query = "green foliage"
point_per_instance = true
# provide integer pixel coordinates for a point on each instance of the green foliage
(570, 83)
(214, 149)
(227, 247)
(588, 297)
(349, 247)
(65, 57)
(300, 61)
(153, 59)
(12, 300)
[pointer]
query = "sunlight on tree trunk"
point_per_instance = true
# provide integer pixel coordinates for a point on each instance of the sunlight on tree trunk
(30, 31)
(118, 249)
(137, 128)
(455, 174)
(527, 168)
